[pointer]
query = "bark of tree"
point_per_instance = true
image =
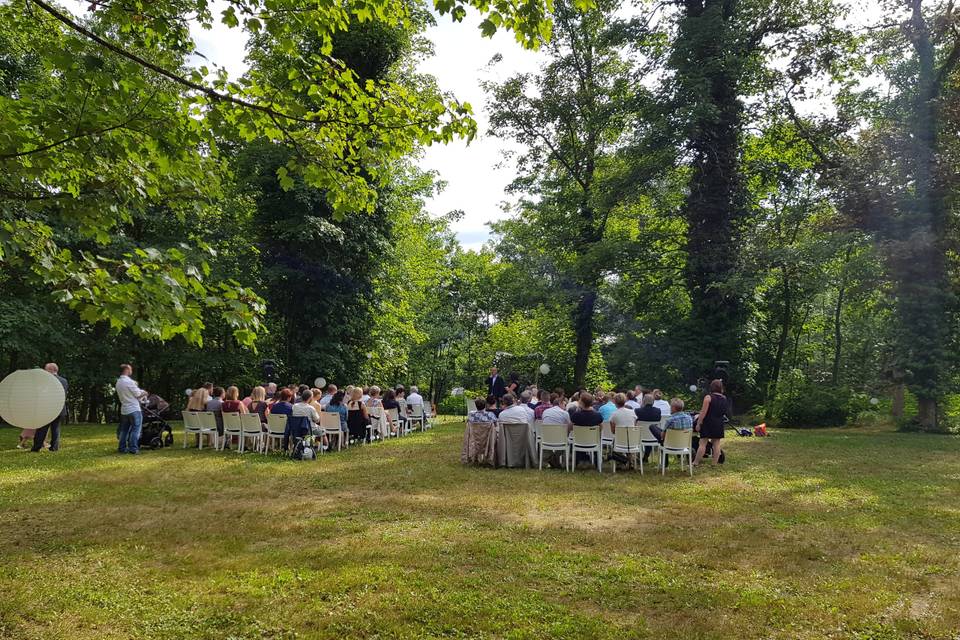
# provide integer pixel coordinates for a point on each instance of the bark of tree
(837, 316)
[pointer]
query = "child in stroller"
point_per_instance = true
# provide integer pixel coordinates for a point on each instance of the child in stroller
(157, 432)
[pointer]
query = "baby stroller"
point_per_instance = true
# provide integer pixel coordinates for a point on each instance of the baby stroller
(156, 432)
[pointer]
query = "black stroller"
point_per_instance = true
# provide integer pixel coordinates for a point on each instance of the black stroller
(156, 432)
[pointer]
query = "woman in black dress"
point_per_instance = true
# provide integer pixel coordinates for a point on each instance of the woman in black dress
(357, 416)
(710, 421)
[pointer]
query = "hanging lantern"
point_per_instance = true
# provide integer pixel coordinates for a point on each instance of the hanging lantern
(319, 383)
(544, 368)
(31, 398)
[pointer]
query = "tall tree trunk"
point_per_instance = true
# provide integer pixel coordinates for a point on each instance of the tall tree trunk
(583, 334)
(918, 251)
(899, 399)
(715, 202)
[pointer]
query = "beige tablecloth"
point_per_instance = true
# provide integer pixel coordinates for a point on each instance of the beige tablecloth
(514, 446)
(479, 444)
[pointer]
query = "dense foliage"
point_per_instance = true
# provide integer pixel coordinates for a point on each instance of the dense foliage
(763, 182)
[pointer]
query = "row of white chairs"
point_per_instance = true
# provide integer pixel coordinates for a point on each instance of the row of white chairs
(246, 426)
(627, 440)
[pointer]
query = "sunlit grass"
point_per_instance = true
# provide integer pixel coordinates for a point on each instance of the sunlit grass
(808, 534)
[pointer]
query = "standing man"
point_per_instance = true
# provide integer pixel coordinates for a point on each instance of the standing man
(54, 427)
(496, 386)
(131, 414)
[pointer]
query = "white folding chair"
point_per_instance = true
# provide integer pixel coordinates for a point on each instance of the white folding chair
(276, 427)
(250, 427)
(537, 436)
(191, 424)
(676, 443)
(232, 428)
(587, 440)
(394, 424)
(427, 414)
(606, 434)
(417, 416)
(330, 425)
(647, 439)
(375, 428)
(628, 440)
(208, 426)
(553, 437)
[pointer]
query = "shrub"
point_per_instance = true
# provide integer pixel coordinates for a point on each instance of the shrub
(453, 405)
(803, 404)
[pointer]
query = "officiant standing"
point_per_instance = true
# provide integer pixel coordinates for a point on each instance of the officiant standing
(496, 385)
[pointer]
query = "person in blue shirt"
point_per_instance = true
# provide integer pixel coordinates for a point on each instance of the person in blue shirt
(608, 408)
(337, 406)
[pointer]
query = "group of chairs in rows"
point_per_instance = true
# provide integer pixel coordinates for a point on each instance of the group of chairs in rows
(280, 431)
(595, 441)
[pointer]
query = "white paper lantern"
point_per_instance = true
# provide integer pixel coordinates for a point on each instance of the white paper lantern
(188, 392)
(319, 383)
(874, 401)
(693, 388)
(31, 398)
(544, 368)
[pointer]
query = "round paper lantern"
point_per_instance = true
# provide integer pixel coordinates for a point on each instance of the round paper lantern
(693, 388)
(874, 401)
(320, 383)
(544, 368)
(188, 392)
(31, 398)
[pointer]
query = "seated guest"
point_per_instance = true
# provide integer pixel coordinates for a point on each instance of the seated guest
(632, 401)
(525, 403)
(414, 398)
(554, 413)
(678, 420)
(511, 412)
(373, 397)
(660, 403)
(648, 412)
(534, 394)
(258, 403)
(366, 395)
(331, 391)
(337, 406)
(357, 417)
(231, 402)
(282, 405)
(303, 418)
(198, 400)
(546, 401)
(482, 413)
(608, 408)
(271, 390)
(215, 404)
(492, 405)
(390, 402)
(574, 405)
(585, 416)
(623, 416)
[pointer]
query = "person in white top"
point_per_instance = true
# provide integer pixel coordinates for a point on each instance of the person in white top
(131, 412)
(661, 404)
(414, 397)
(555, 415)
(304, 409)
(623, 416)
(631, 402)
(513, 413)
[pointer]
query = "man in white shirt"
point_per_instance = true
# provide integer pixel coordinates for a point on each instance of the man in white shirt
(414, 397)
(660, 403)
(302, 409)
(131, 413)
(555, 415)
(328, 396)
(525, 399)
(513, 413)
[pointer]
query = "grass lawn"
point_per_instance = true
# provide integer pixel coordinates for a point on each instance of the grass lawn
(847, 533)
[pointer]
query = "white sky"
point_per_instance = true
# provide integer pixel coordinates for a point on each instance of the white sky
(473, 184)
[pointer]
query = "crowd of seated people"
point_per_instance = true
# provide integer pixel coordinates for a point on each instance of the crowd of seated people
(615, 408)
(303, 406)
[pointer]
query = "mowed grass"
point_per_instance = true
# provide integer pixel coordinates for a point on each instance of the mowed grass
(845, 533)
